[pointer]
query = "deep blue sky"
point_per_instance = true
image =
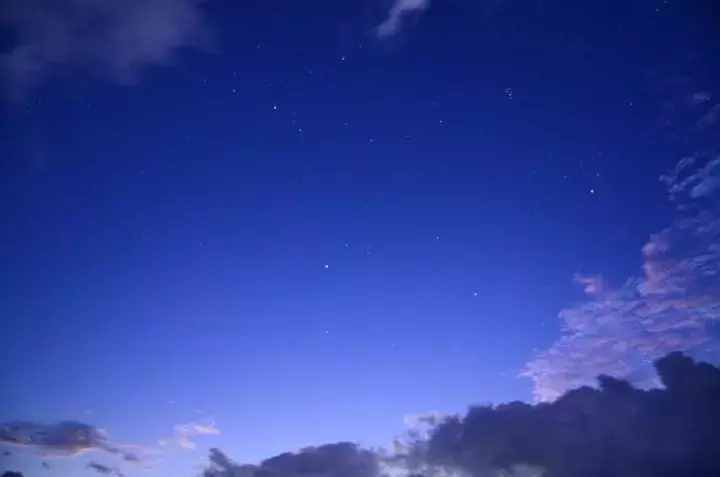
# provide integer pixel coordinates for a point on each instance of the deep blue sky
(302, 232)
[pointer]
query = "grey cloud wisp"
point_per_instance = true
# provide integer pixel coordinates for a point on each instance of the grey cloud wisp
(116, 39)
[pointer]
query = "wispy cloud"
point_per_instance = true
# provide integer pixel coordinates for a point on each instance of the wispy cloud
(669, 307)
(104, 469)
(185, 433)
(397, 14)
(115, 39)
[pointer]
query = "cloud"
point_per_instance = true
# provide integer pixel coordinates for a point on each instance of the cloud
(184, 433)
(343, 459)
(104, 469)
(699, 97)
(397, 14)
(710, 118)
(116, 39)
(592, 284)
(64, 438)
(672, 306)
(11, 474)
(614, 430)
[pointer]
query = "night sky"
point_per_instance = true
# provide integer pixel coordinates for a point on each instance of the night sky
(261, 226)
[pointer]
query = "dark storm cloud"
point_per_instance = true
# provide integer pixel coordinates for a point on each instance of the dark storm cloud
(672, 306)
(614, 430)
(611, 431)
(11, 474)
(64, 438)
(115, 38)
(332, 460)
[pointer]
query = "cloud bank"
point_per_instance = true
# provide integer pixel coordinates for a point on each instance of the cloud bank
(614, 430)
(116, 39)
(399, 11)
(672, 306)
(64, 438)
(343, 459)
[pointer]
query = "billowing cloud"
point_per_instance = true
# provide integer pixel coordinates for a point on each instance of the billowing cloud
(116, 39)
(672, 306)
(343, 459)
(184, 433)
(63, 438)
(398, 12)
(614, 430)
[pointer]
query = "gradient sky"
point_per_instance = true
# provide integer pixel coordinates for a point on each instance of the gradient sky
(286, 223)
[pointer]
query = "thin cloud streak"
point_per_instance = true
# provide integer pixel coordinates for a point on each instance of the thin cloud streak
(398, 13)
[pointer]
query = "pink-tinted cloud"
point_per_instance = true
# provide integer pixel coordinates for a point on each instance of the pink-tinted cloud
(670, 307)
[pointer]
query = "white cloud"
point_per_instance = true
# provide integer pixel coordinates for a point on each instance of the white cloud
(185, 433)
(399, 10)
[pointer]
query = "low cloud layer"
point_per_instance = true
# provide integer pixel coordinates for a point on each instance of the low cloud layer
(114, 39)
(332, 460)
(398, 13)
(672, 306)
(613, 430)
(64, 438)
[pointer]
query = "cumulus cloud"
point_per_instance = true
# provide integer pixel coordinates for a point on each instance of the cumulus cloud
(343, 459)
(114, 38)
(64, 438)
(398, 12)
(672, 306)
(184, 433)
(614, 430)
